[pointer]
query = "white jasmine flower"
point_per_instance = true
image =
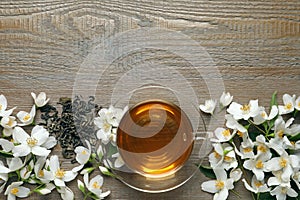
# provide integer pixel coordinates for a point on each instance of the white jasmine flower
(30, 144)
(297, 103)
(40, 100)
(66, 193)
(26, 170)
(3, 106)
(256, 185)
(289, 104)
(209, 106)
(283, 188)
(263, 116)
(107, 122)
(225, 99)
(40, 172)
(223, 156)
(82, 156)
(233, 124)
(285, 162)
(280, 141)
(94, 185)
(46, 190)
(244, 111)
(236, 174)
(246, 149)
(223, 135)
(59, 175)
(220, 186)
(25, 117)
(282, 191)
(257, 166)
(16, 190)
(262, 147)
(8, 123)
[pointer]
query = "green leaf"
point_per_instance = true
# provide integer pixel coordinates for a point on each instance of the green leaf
(295, 137)
(207, 171)
(265, 196)
(6, 154)
(274, 99)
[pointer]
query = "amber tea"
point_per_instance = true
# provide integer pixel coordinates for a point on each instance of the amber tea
(155, 138)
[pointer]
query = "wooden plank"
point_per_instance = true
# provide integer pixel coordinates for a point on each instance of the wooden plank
(254, 44)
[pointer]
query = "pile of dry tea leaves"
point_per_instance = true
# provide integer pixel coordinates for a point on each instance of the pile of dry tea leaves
(73, 125)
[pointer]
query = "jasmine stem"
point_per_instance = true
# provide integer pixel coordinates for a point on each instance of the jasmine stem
(252, 123)
(86, 195)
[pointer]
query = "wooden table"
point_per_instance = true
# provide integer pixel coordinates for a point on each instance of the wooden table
(255, 46)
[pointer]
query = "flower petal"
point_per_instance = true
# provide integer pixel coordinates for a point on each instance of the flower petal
(40, 133)
(69, 176)
(287, 172)
(20, 136)
(209, 186)
(273, 181)
(40, 151)
(248, 187)
(6, 145)
(291, 192)
(23, 192)
(222, 195)
(21, 150)
(50, 142)
(54, 163)
(59, 182)
(273, 164)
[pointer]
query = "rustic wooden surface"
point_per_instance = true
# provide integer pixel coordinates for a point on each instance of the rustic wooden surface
(255, 45)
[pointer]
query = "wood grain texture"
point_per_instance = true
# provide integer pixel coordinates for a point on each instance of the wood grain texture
(255, 45)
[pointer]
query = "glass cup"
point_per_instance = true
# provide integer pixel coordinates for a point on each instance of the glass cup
(161, 140)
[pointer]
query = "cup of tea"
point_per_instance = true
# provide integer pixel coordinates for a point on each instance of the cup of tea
(161, 139)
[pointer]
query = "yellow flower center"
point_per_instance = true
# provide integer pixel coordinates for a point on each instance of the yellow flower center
(96, 185)
(226, 133)
(247, 149)
(258, 184)
(239, 133)
(1, 107)
(280, 133)
(217, 156)
(283, 162)
(26, 117)
(259, 164)
(14, 191)
(263, 115)
(60, 173)
(227, 159)
(298, 104)
(261, 148)
(219, 185)
(10, 122)
(288, 106)
(283, 190)
(41, 173)
(31, 142)
(293, 143)
(245, 108)
(84, 152)
(106, 127)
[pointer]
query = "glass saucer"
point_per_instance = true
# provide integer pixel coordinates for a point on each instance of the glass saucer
(150, 165)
